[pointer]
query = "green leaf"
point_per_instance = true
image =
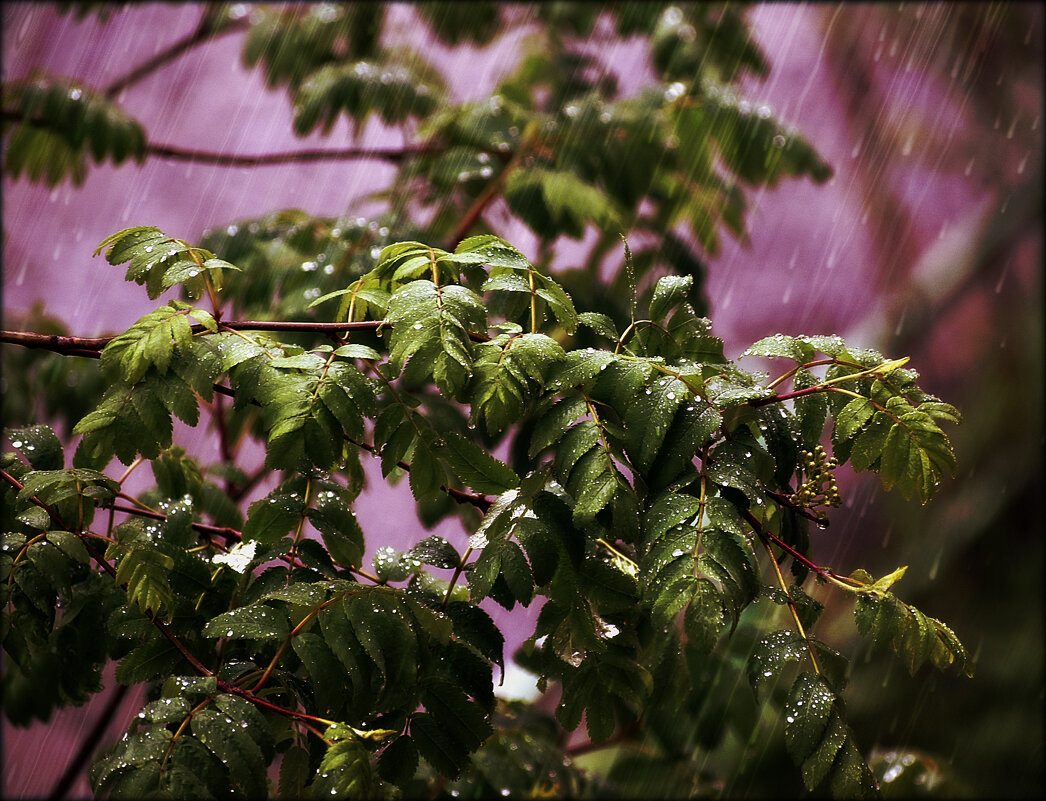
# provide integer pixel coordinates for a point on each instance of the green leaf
(671, 532)
(592, 482)
(694, 426)
(796, 348)
(270, 518)
(136, 419)
(475, 467)
(649, 417)
(398, 761)
(599, 323)
(394, 91)
(144, 569)
(344, 772)
(333, 518)
(59, 122)
(510, 372)
(553, 424)
(153, 659)
(816, 735)
(869, 443)
(139, 750)
(705, 616)
(426, 472)
(579, 368)
(159, 262)
(437, 745)
(294, 774)
(771, 654)
(254, 622)
(152, 342)
(236, 750)
(916, 454)
(435, 551)
(475, 627)
(558, 201)
(669, 292)
(71, 545)
(728, 559)
(39, 445)
(431, 324)
(324, 669)
(354, 351)
(851, 419)
(250, 719)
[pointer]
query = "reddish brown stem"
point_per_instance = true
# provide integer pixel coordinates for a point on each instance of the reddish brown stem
(392, 154)
(765, 535)
(787, 395)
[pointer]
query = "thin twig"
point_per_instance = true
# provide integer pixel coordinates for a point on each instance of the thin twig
(205, 31)
(391, 154)
(823, 572)
(493, 189)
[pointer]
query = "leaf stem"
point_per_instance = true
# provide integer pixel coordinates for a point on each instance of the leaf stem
(823, 572)
(454, 578)
(129, 470)
(791, 606)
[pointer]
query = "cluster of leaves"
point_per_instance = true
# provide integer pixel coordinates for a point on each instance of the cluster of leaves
(52, 123)
(647, 493)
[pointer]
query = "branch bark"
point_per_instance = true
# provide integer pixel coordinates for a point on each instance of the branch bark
(392, 154)
(205, 31)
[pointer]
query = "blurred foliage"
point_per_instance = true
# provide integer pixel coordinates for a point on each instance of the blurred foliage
(38, 385)
(51, 124)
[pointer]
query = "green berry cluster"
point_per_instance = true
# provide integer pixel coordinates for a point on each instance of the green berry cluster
(819, 489)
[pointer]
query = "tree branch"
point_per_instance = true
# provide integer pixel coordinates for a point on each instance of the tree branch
(206, 30)
(769, 536)
(70, 346)
(90, 346)
(493, 189)
(394, 155)
(391, 154)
